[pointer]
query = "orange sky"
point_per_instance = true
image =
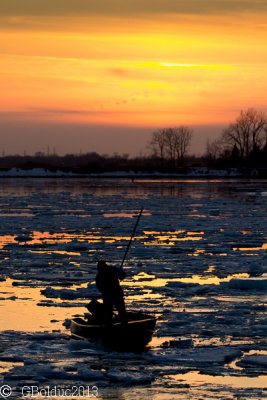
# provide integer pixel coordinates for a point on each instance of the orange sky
(88, 65)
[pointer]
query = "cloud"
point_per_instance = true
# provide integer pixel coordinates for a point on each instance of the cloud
(139, 16)
(37, 111)
(49, 114)
(62, 111)
(31, 113)
(126, 7)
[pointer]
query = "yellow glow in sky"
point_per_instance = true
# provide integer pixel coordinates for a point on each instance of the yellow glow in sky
(150, 69)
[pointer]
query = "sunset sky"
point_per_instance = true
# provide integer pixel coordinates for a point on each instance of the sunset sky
(101, 75)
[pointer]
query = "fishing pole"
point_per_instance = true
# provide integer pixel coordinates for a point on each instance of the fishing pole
(130, 241)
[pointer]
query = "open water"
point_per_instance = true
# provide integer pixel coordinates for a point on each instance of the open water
(198, 262)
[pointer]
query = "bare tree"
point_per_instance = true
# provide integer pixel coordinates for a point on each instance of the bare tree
(158, 143)
(214, 149)
(247, 133)
(171, 143)
(169, 136)
(183, 136)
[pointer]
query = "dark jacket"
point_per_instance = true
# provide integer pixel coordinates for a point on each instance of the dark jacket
(107, 280)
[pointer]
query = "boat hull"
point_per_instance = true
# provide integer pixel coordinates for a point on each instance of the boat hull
(135, 334)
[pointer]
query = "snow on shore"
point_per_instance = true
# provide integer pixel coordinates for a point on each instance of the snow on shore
(192, 172)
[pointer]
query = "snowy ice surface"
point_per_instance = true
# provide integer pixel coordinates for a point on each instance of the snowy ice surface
(198, 263)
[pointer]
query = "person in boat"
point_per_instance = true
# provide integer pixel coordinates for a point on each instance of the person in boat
(108, 283)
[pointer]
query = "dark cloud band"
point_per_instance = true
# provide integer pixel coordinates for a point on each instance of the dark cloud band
(127, 7)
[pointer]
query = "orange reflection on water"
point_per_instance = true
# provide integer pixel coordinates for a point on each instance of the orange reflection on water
(6, 239)
(198, 215)
(144, 296)
(7, 365)
(124, 215)
(94, 236)
(143, 275)
(51, 238)
(195, 378)
(210, 269)
(20, 311)
(169, 238)
(263, 247)
(69, 253)
(188, 180)
(192, 238)
(24, 214)
(200, 279)
(197, 253)
(152, 232)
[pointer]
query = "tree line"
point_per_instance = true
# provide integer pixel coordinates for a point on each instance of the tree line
(242, 144)
(171, 144)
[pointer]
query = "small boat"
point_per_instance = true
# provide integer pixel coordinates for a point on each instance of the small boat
(133, 334)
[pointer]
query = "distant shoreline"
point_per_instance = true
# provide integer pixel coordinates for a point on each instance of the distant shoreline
(190, 174)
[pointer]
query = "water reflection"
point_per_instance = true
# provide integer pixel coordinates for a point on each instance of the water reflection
(263, 247)
(6, 366)
(68, 253)
(196, 378)
(174, 245)
(196, 188)
(19, 309)
(153, 281)
(150, 238)
(6, 239)
(123, 215)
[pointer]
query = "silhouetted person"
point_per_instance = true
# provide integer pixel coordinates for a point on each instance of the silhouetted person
(107, 282)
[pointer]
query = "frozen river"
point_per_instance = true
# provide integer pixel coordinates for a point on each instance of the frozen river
(198, 263)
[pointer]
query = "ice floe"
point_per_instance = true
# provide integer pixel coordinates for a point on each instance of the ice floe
(197, 262)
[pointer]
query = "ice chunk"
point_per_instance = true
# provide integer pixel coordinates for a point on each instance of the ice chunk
(199, 357)
(178, 343)
(67, 294)
(254, 359)
(129, 377)
(89, 374)
(248, 284)
(255, 269)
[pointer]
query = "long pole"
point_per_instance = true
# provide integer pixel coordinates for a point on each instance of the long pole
(129, 244)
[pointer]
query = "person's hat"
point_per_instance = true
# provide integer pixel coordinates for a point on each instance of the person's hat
(101, 264)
